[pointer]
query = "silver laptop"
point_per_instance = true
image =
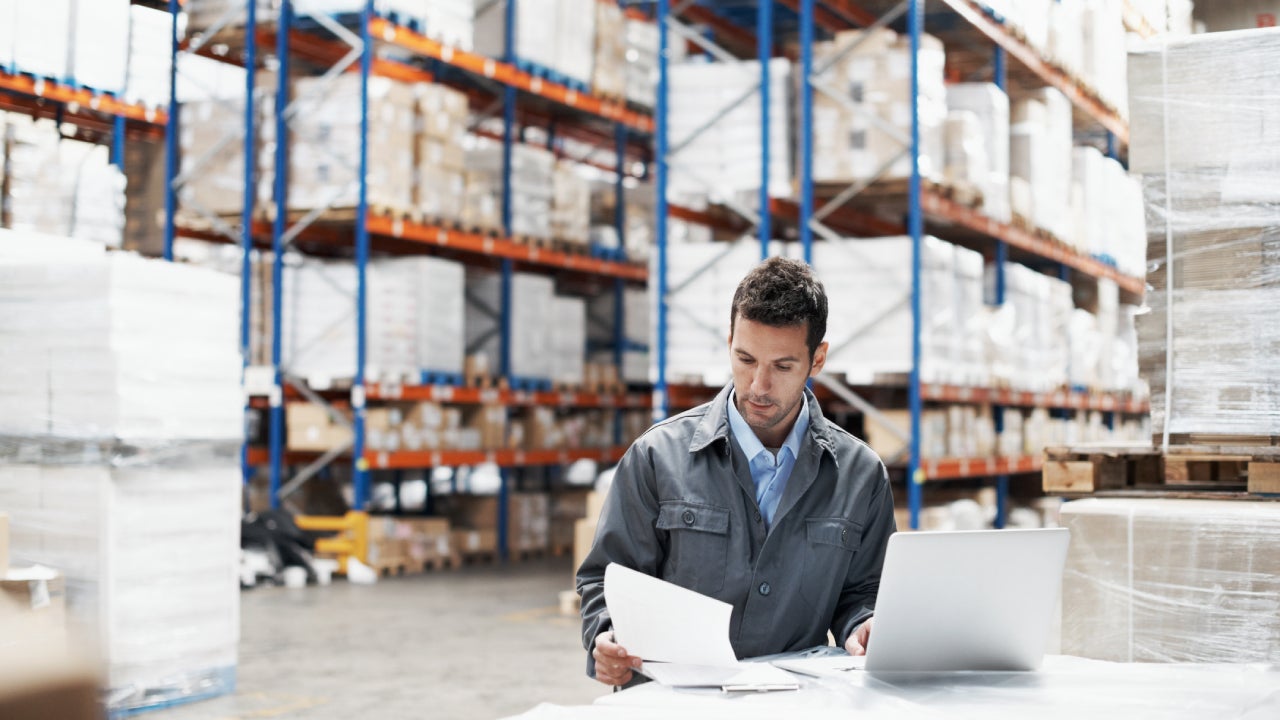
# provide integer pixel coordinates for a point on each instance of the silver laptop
(980, 601)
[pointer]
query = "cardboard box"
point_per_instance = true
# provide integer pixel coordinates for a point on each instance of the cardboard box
(40, 677)
(475, 542)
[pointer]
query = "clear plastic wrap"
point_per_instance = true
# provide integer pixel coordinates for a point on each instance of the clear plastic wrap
(1207, 146)
(119, 455)
(1172, 581)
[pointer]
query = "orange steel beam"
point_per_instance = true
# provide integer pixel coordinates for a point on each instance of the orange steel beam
(822, 17)
(509, 75)
(84, 99)
(854, 14)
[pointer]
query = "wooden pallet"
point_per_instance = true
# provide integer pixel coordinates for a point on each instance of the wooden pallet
(1083, 470)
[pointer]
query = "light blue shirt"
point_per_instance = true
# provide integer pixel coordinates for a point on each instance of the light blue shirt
(769, 473)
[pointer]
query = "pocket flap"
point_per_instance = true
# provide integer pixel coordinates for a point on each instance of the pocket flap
(681, 515)
(839, 532)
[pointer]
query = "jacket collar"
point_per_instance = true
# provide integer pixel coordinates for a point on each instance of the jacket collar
(715, 423)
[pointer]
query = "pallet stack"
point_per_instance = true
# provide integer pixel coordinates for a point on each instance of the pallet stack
(1178, 568)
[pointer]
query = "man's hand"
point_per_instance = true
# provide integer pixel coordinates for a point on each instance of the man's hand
(613, 664)
(858, 639)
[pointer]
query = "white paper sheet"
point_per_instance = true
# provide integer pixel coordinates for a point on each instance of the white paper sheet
(661, 622)
(826, 666)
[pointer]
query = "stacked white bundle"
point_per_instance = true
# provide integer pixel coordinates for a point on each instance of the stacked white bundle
(724, 161)
(1040, 161)
(115, 346)
(37, 192)
(991, 105)
(414, 317)
(1109, 219)
(532, 185)
(568, 346)
(150, 54)
(151, 556)
(868, 284)
(698, 306)
(642, 61)
(99, 60)
(324, 158)
(451, 22)
(532, 322)
(636, 330)
(866, 133)
(570, 203)
(558, 36)
(41, 38)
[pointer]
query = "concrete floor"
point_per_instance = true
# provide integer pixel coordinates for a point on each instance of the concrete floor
(481, 642)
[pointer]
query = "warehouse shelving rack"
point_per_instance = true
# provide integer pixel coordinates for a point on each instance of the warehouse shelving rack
(98, 117)
(334, 45)
(968, 25)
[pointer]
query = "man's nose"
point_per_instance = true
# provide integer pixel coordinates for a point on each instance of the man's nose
(760, 381)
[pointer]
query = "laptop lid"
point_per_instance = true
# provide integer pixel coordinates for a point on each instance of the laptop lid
(978, 600)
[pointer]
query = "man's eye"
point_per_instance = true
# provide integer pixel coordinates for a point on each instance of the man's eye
(745, 361)
(783, 368)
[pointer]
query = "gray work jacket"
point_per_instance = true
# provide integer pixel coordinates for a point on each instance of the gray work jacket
(682, 507)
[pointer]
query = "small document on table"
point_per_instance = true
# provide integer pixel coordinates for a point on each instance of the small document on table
(682, 635)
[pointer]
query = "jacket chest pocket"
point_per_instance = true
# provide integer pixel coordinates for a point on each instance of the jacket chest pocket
(698, 546)
(830, 544)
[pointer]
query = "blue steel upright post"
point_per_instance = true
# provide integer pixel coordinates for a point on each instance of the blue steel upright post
(360, 475)
(246, 213)
(1002, 255)
(806, 129)
(764, 52)
(281, 197)
(660, 403)
(915, 224)
(508, 140)
(171, 133)
(620, 339)
(117, 136)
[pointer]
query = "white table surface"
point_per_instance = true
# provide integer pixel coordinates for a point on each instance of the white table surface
(1065, 687)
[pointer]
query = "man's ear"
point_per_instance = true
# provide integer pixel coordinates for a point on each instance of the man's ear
(819, 360)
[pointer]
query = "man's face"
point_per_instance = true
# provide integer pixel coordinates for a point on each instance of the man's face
(770, 367)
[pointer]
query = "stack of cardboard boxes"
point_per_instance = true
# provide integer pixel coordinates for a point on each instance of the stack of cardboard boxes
(862, 107)
(441, 161)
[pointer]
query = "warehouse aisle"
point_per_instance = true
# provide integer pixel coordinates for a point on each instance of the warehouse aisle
(483, 642)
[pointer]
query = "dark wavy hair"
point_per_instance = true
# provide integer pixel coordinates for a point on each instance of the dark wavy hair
(781, 292)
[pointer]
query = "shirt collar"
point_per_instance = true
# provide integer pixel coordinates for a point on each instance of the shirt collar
(751, 445)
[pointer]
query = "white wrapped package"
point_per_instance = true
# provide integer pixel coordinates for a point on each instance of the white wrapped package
(99, 60)
(414, 319)
(569, 339)
(42, 38)
(1208, 179)
(991, 105)
(150, 552)
(136, 349)
(1172, 581)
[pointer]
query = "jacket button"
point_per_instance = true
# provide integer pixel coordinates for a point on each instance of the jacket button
(844, 534)
(759, 517)
(688, 517)
(764, 588)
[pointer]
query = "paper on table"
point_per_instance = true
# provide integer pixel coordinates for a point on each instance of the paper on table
(658, 621)
(823, 666)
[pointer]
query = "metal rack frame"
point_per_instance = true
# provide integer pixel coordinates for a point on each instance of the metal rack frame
(354, 52)
(921, 202)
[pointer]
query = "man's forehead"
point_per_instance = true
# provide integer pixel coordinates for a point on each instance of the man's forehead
(768, 342)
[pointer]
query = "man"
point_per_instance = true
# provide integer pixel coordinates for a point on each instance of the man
(753, 498)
